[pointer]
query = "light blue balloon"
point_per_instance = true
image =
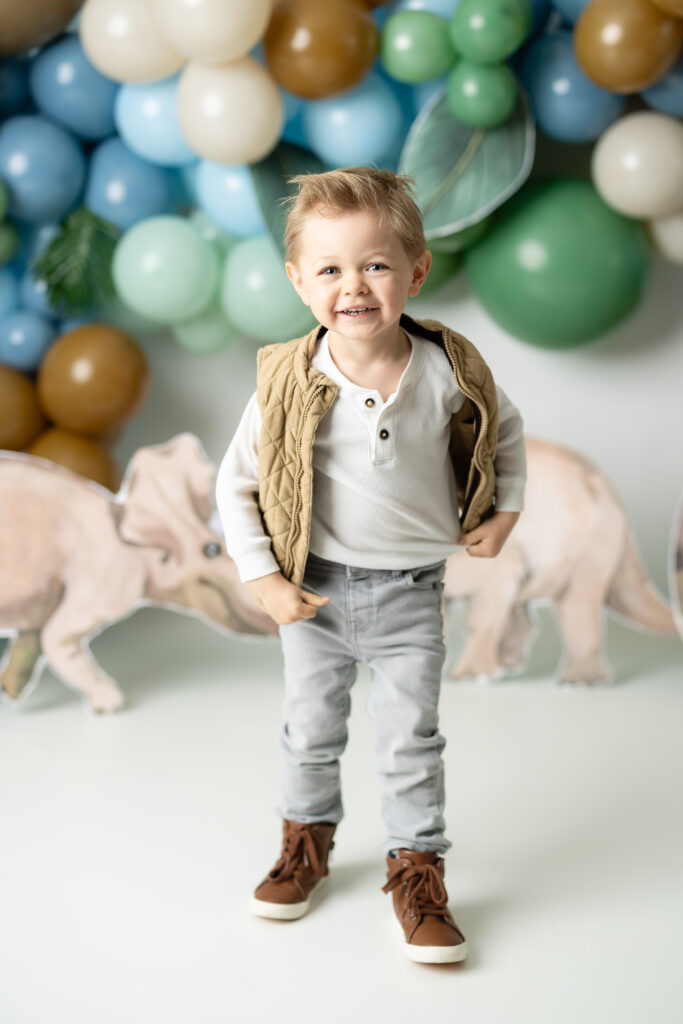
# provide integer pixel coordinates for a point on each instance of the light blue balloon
(293, 129)
(570, 9)
(226, 193)
(360, 126)
(567, 105)
(124, 189)
(67, 88)
(9, 291)
(43, 167)
(14, 95)
(24, 339)
(33, 295)
(188, 177)
(424, 92)
(667, 94)
(147, 120)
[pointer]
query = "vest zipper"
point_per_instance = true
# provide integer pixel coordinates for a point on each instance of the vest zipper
(294, 532)
(484, 419)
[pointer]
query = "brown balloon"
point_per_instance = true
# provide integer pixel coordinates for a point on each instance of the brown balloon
(674, 7)
(92, 379)
(626, 45)
(316, 49)
(20, 415)
(81, 454)
(23, 25)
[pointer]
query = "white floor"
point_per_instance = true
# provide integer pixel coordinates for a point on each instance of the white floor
(132, 842)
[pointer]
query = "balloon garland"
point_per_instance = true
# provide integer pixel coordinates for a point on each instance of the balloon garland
(144, 148)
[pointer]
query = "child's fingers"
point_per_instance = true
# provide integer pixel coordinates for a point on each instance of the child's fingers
(315, 599)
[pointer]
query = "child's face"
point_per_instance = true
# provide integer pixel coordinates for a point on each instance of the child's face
(347, 261)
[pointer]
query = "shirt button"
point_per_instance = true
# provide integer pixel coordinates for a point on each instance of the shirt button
(384, 434)
(369, 402)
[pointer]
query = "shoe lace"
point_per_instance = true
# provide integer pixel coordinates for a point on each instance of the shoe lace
(298, 849)
(425, 891)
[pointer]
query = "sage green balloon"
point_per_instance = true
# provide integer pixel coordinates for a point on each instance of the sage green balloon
(206, 334)
(415, 46)
(9, 242)
(258, 297)
(481, 96)
(559, 267)
(488, 31)
(164, 270)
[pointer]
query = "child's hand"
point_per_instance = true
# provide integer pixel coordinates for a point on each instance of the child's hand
(488, 538)
(282, 600)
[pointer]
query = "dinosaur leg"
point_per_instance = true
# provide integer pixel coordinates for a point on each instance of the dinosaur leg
(516, 641)
(24, 651)
(69, 657)
(487, 619)
(579, 610)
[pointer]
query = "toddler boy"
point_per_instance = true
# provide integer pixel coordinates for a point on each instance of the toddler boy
(371, 447)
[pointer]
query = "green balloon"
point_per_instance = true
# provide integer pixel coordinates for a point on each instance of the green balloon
(164, 270)
(258, 297)
(488, 31)
(559, 267)
(208, 333)
(481, 96)
(415, 46)
(9, 242)
(216, 236)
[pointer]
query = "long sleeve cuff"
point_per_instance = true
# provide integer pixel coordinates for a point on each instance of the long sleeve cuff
(510, 494)
(253, 564)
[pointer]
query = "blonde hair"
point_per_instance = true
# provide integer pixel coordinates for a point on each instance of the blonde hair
(348, 189)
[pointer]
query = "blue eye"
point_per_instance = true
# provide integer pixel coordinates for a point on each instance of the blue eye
(324, 271)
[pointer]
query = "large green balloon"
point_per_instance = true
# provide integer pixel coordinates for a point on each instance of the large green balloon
(258, 297)
(488, 31)
(481, 96)
(164, 270)
(206, 334)
(415, 46)
(559, 267)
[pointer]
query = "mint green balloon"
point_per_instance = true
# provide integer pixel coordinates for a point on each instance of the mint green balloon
(208, 333)
(258, 297)
(164, 270)
(488, 31)
(559, 267)
(216, 236)
(415, 46)
(481, 96)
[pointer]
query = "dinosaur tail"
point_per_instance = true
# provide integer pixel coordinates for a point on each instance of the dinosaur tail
(633, 596)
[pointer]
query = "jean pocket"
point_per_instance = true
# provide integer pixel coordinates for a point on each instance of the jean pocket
(426, 577)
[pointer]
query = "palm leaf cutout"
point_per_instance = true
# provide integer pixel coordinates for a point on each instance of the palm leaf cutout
(270, 184)
(465, 173)
(76, 265)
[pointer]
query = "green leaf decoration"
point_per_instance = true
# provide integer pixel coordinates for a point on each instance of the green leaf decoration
(76, 265)
(269, 177)
(464, 173)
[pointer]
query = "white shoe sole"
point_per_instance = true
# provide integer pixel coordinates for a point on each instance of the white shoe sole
(431, 954)
(286, 911)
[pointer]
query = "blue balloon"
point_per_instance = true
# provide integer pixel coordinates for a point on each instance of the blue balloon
(43, 167)
(226, 193)
(14, 94)
(424, 92)
(567, 105)
(33, 295)
(363, 125)
(124, 189)
(188, 178)
(68, 89)
(147, 121)
(9, 291)
(667, 94)
(24, 339)
(293, 130)
(570, 9)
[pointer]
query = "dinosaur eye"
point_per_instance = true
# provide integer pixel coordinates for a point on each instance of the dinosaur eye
(212, 549)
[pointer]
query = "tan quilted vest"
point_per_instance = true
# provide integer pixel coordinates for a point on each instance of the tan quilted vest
(293, 397)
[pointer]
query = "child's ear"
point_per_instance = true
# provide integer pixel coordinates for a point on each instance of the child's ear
(295, 277)
(420, 271)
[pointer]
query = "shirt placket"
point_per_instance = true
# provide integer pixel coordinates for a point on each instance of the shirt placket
(377, 416)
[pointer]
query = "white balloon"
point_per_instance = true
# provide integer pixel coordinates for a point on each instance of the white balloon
(230, 113)
(637, 165)
(121, 39)
(667, 235)
(212, 31)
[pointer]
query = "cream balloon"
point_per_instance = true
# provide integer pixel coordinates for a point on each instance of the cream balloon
(212, 31)
(637, 165)
(667, 235)
(121, 38)
(230, 113)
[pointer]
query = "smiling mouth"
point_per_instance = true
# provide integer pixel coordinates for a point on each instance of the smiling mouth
(357, 311)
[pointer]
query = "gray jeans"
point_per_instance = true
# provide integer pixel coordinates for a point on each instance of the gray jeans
(391, 620)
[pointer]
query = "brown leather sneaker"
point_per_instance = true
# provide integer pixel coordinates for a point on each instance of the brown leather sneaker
(285, 893)
(421, 906)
